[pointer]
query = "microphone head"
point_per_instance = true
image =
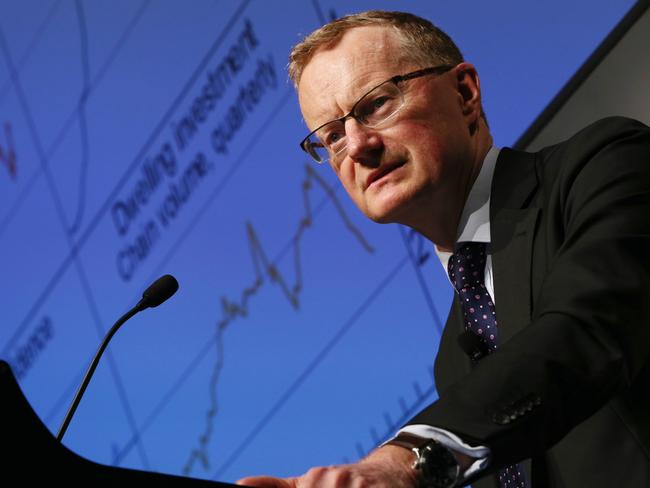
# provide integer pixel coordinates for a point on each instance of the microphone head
(159, 291)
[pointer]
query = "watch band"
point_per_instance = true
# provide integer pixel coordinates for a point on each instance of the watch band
(409, 441)
(435, 465)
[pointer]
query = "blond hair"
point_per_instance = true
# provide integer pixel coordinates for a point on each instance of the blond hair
(423, 42)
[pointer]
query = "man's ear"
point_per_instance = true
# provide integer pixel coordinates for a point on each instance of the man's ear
(469, 90)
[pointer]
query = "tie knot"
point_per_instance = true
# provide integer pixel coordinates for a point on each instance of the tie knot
(466, 266)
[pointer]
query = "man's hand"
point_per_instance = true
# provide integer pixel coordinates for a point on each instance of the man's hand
(388, 466)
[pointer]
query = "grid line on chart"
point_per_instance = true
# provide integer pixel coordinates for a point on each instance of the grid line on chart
(195, 362)
(31, 180)
(311, 367)
(197, 216)
(61, 216)
(31, 46)
(221, 185)
(233, 309)
(187, 231)
(149, 141)
(328, 198)
(319, 11)
(69, 258)
(417, 262)
(408, 410)
(288, 246)
(117, 377)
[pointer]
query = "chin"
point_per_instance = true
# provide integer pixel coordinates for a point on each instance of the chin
(385, 212)
(381, 219)
(400, 204)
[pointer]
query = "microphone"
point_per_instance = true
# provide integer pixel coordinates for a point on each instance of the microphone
(158, 292)
(472, 345)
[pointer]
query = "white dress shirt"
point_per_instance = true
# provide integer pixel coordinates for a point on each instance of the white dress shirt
(474, 226)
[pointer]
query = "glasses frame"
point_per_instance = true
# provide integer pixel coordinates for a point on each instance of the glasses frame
(304, 144)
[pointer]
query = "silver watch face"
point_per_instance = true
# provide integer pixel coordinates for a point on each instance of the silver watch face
(437, 466)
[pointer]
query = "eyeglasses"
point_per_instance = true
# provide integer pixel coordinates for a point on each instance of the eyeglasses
(328, 141)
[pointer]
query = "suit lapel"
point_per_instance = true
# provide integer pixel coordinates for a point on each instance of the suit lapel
(512, 226)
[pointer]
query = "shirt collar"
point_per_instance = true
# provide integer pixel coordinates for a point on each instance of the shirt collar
(474, 224)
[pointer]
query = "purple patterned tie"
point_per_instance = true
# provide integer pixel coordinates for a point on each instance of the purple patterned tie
(466, 269)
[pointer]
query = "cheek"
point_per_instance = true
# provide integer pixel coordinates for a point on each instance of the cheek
(346, 174)
(339, 174)
(418, 142)
(428, 144)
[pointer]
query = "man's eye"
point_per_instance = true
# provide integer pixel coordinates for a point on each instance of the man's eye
(375, 106)
(333, 137)
(379, 102)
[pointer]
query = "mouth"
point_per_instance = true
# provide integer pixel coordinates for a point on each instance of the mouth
(382, 171)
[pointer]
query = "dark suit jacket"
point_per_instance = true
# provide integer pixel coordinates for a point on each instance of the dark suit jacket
(569, 386)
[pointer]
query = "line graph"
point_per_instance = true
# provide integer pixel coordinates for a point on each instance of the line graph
(239, 449)
(72, 117)
(56, 199)
(291, 289)
(129, 169)
(239, 307)
(100, 84)
(285, 277)
(82, 120)
(232, 309)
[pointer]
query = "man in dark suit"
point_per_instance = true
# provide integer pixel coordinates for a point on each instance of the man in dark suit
(549, 252)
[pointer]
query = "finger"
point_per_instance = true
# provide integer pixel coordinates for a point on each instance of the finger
(267, 482)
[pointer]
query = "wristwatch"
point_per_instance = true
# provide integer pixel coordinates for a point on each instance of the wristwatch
(435, 465)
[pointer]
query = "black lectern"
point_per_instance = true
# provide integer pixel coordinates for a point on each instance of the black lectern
(30, 452)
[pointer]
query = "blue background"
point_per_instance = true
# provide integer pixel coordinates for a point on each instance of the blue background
(291, 342)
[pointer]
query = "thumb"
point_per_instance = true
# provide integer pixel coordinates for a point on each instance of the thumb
(267, 482)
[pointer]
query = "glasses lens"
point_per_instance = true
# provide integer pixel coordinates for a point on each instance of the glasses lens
(379, 104)
(328, 141)
(314, 147)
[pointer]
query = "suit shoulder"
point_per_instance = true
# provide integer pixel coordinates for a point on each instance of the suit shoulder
(610, 128)
(599, 134)
(603, 139)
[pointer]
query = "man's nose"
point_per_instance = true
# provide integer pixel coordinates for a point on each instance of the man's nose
(364, 145)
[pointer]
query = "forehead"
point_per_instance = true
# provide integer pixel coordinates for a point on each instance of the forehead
(336, 77)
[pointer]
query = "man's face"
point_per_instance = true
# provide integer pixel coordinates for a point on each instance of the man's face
(407, 168)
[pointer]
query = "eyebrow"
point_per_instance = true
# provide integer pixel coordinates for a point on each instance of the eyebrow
(368, 86)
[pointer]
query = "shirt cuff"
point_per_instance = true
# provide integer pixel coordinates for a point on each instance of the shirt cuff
(453, 442)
